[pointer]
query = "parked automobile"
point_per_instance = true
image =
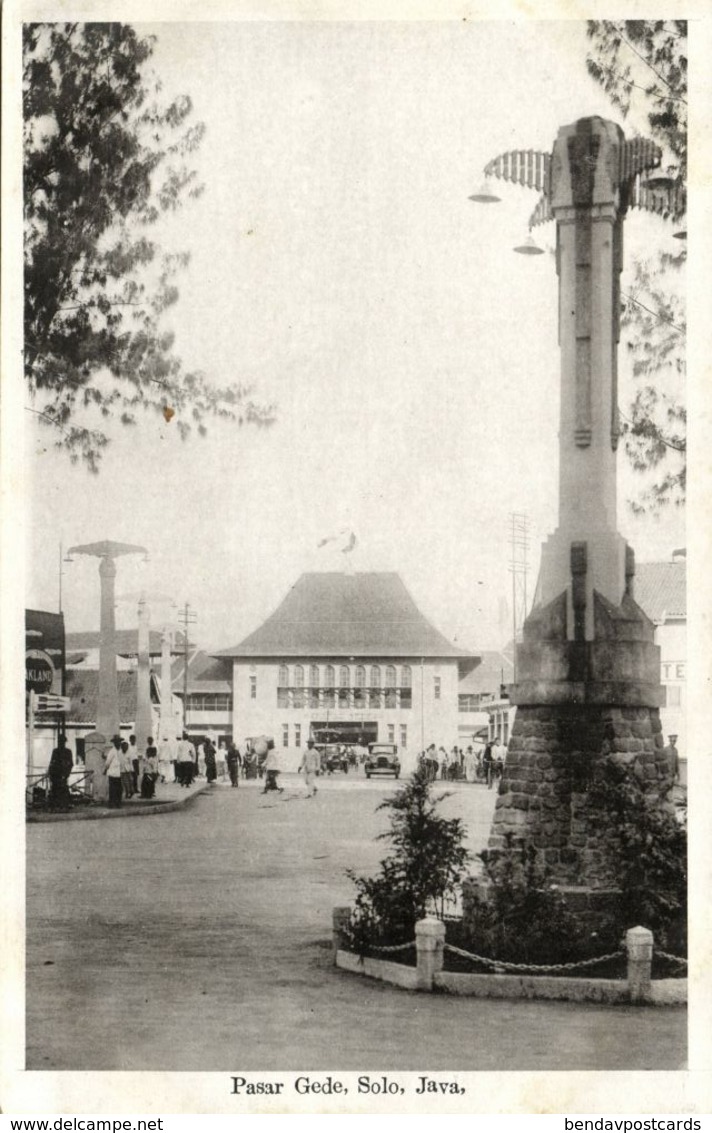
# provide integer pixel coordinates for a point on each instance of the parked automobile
(333, 759)
(382, 759)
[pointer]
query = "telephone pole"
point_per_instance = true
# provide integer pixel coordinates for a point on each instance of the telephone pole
(518, 568)
(186, 617)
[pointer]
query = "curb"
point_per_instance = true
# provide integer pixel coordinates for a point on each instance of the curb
(119, 812)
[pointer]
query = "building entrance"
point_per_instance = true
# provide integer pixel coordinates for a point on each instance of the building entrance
(344, 732)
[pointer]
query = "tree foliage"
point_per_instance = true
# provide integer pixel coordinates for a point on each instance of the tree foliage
(523, 918)
(104, 159)
(646, 847)
(642, 66)
(422, 873)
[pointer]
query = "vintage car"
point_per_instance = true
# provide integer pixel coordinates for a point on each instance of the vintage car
(382, 759)
(333, 759)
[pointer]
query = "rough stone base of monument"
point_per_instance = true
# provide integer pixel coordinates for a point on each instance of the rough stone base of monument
(554, 753)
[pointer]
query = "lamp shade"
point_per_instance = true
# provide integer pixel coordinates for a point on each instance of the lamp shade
(529, 247)
(484, 195)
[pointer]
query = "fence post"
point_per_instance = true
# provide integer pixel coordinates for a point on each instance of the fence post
(340, 920)
(429, 946)
(639, 946)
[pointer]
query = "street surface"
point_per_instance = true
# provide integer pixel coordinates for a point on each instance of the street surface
(200, 940)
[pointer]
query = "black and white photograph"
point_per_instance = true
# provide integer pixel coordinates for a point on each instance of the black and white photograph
(347, 545)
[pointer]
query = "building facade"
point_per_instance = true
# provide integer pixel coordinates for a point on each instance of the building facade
(660, 588)
(351, 658)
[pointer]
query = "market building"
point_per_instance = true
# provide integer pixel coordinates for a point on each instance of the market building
(352, 655)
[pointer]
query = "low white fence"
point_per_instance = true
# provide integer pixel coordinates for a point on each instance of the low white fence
(509, 980)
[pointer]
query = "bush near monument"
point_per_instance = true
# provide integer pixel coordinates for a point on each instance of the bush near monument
(420, 877)
(516, 914)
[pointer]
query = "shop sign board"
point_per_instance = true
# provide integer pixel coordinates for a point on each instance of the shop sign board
(39, 671)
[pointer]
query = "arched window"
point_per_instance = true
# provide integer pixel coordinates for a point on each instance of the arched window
(360, 687)
(406, 689)
(344, 683)
(313, 686)
(283, 687)
(375, 693)
(329, 683)
(391, 697)
(298, 698)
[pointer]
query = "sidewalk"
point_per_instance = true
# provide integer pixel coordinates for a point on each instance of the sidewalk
(168, 797)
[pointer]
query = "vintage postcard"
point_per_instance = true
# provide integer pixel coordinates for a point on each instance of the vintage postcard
(347, 552)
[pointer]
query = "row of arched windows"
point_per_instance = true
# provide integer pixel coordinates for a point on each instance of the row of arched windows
(300, 671)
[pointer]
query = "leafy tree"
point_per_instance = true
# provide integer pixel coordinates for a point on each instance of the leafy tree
(642, 66)
(422, 874)
(646, 848)
(104, 160)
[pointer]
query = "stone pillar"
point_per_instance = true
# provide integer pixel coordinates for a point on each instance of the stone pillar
(168, 726)
(95, 746)
(107, 715)
(144, 725)
(639, 946)
(588, 671)
(430, 950)
(340, 919)
(586, 205)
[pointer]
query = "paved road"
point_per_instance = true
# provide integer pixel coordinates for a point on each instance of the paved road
(200, 941)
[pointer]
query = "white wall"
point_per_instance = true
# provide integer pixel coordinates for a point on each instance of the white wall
(429, 720)
(672, 639)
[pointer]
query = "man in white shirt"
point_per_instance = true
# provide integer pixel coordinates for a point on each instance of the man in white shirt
(499, 754)
(310, 765)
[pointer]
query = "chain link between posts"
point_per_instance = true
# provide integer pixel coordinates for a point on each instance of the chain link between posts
(673, 959)
(570, 967)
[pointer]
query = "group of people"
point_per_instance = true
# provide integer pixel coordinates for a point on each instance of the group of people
(189, 762)
(130, 772)
(483, 763)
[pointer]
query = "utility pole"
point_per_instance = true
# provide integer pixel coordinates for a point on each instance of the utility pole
(518, 568)
(186, 618)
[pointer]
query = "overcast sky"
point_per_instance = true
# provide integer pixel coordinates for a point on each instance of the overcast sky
(338, 264)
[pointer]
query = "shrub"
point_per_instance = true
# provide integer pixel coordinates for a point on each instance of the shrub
(523, 918)
(420, 876)
(646, 849)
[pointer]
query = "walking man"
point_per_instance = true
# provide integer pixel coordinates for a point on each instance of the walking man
(233, 764)
(310, 765)
(271, 768)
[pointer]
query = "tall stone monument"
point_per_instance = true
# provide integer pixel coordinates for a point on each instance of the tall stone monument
(588, 673)
(107, 712)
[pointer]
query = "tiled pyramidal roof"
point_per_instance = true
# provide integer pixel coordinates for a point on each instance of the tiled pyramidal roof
(336, 614)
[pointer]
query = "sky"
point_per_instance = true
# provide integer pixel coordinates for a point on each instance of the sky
(337, 265)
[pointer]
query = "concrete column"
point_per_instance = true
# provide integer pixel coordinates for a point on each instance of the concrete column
(341, 919)
(430, 950)
(143, 679)
(168, 726)
(639, 946)
(107, 716)
(586, 205)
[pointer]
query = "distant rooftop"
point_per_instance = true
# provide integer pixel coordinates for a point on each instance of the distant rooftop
(661, 589)
(126, 642)
(333, 614)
